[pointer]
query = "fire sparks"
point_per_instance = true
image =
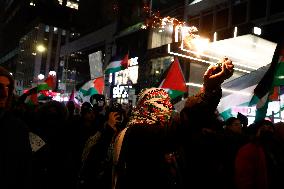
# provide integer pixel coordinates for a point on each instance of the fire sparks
(156, 21)
(188, 35)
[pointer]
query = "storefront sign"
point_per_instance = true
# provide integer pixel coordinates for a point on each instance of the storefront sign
(121, 91)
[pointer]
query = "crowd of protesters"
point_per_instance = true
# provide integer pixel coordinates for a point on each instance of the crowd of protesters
(106, 146)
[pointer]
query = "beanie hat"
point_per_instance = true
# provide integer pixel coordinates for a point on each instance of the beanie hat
(86, 107)
(153, 106)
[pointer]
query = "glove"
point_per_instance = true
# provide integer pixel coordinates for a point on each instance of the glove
(217, 74)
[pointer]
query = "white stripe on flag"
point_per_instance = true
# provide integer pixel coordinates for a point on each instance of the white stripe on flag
(235, 99)
(114, 64)
(262, 101)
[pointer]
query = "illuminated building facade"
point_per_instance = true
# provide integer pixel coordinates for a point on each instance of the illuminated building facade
(31, 37)
(246, 31)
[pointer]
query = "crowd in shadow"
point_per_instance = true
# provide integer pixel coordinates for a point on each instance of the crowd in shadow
(53, 145)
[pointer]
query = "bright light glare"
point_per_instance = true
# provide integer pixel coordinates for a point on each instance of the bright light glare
(257, 30)
(198, 59)
(53, 73)
(40, 76)
(40, 48)
(215, 36)
(224, 89)
(195, 1)
(200, 44)
(235, 31)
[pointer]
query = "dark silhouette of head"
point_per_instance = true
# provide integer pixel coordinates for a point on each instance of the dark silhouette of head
(6, 88)
(98, 102)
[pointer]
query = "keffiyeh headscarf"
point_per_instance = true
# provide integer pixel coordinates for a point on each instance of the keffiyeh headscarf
(153, 106)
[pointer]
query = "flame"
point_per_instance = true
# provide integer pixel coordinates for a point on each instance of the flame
(187, 34)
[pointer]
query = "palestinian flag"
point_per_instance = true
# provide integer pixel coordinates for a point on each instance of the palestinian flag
(174, 81)
(94, 86)
(43, 86)
(115, 66)
(48, 84)
(32, 99)
(51, 81)
(265, 90)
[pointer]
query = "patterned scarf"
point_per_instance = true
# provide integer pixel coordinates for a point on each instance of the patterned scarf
(153, 106)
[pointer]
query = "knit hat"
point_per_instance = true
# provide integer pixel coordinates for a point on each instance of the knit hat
(153, 106)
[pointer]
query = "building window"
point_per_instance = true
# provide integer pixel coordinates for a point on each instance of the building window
(60, 2)
(55, 29)
(159, 65)
(47, 28)
(73, 5)
(160, 37)
(32, 3)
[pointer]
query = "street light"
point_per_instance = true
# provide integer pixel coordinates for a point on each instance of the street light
(40, 48)
(40, 76)
(53, 73)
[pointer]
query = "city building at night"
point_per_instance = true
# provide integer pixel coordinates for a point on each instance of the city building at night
(31, 38)
(82, 37)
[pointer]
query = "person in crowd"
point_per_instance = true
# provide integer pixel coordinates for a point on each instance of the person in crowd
(140, 159)
(278, 151)
(52, 162)
(98, 102)
(233, 125)
(96, 164)
(234, 139)
(81, 129)
(16, 153)
(255, 161)
(70, 105)
(201, 137)
(87, 126)
(146, 147)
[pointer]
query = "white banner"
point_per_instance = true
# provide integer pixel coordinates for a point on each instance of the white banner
(96, 65)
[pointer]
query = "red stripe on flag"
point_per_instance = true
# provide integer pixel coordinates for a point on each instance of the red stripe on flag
(99, 84)
(124, 61)
(174, 79)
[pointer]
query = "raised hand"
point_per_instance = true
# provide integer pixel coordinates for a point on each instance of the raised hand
(215, 75)
(113, 120)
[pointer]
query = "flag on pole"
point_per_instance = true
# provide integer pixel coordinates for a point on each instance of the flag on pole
(94, 86)
(115, 66)
(174, 81)
(264, 91)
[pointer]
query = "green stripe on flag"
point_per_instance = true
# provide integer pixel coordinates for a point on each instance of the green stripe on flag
(174, 93)
(113, 70)
(89, 92)
(43, 86)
